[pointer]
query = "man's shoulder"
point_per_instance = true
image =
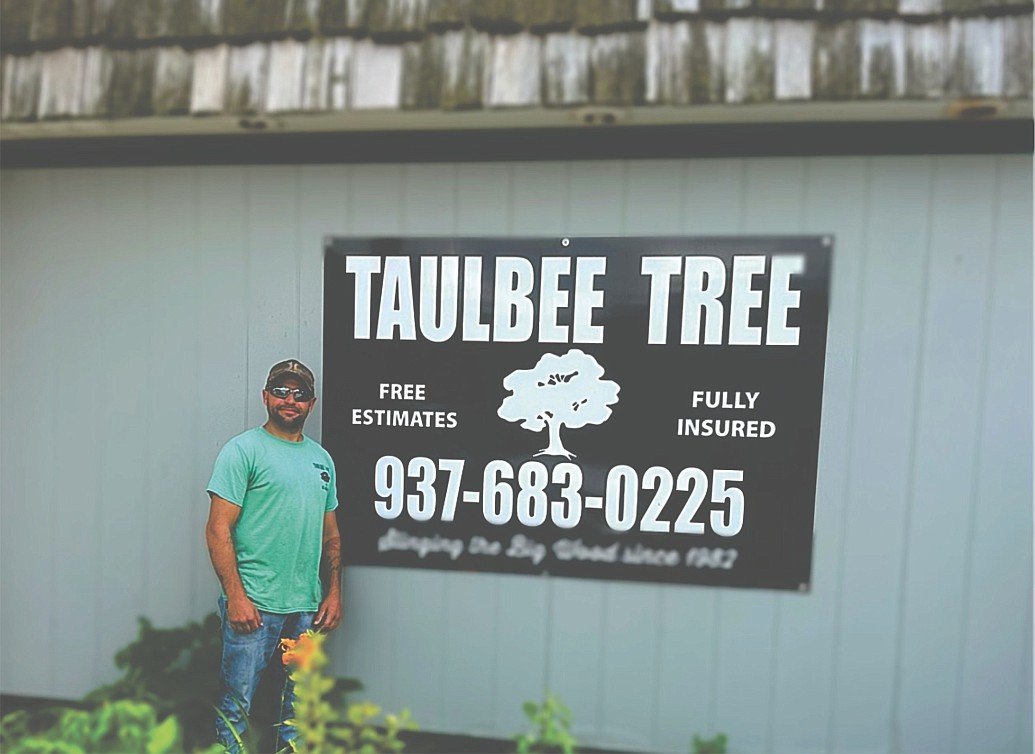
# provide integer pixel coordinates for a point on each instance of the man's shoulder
(247, 440)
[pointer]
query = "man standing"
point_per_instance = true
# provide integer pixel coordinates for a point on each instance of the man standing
(271, 527)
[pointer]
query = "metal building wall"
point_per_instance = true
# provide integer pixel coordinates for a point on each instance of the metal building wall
(141, 308)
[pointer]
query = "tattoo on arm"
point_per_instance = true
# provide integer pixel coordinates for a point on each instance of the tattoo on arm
(332, 560)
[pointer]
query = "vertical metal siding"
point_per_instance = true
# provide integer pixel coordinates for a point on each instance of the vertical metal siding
(141, 308)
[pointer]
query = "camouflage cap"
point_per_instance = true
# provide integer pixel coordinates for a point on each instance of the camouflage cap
(291, 368)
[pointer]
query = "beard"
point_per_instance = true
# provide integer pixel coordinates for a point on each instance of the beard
(290, 423)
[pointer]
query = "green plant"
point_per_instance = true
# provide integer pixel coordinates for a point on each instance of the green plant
(552, 728)
(125, 726)
(715, 745)
(173, 670)
(321, 730)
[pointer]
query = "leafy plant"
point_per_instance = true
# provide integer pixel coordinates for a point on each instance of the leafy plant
(123, 726)
(715, 745)
(552, 728)
(173, 670)
(320, 729)
(176, 671)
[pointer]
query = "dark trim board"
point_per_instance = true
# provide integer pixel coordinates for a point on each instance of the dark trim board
(999, 136)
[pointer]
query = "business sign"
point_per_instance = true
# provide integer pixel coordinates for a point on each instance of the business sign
(612, 408)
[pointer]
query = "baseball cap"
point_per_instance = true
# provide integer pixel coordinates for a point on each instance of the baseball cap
(291, 368)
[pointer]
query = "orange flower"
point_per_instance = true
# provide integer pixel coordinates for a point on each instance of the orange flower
(303, 653)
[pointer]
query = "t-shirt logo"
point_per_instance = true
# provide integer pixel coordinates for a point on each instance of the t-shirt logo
(325, 476)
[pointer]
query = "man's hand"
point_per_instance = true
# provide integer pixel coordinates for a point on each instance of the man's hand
(329, 616)
(243, 616)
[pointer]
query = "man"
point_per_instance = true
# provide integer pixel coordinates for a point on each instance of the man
(271, 527)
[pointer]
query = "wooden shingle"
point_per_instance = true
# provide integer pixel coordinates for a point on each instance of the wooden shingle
(57, 22)
(496, 16)
(669, 63)
(132, 82)
(750, 72)
(376, 76)
(882, 59)
(246, 74)
(915, 8)
(975, 52)
(925, 60)
(208, 82)
(61, 76)
(1017, 56)
(566, 69)
(21, 77)
(395, 20)
(151, 20)
(327, 74)
(860, 8)
(835, 70)
(787, 8)
(619, 61)
(15, 24)
(462, 65)
(114, 22)
(171, 93)
(667, 10)
(302, 17)
(541, 16)
(969, 7)
(194, 20)
(343, 16)
(254, 19)
(708, 62)
(286, 76)
(447, 15)
(793, 59)
(597, 16)
(97, 79)
(726, 7)
(513, 71)
(411, 74)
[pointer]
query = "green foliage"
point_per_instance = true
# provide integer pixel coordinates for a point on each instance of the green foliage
(165, 703)
(321, 730)
(551, 732)
(123, 727)
(365, 733)
(715, 745)
(176, 671)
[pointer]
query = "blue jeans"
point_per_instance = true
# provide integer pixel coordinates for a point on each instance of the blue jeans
(245, 658)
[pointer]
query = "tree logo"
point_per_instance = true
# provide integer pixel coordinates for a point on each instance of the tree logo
(560, 391)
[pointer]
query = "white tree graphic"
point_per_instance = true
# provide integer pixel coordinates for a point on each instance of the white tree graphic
(560, 391)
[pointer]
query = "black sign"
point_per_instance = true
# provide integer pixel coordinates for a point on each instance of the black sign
(614, 408)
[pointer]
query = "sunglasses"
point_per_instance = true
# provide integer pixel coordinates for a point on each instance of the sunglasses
(300, 395)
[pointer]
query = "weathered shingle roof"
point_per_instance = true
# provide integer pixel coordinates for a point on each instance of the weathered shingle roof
(101, 59)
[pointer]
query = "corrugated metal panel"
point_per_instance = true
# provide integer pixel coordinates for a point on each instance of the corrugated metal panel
(141, 308)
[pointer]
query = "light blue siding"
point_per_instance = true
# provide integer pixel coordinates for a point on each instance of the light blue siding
(897, 206)
(142, 307)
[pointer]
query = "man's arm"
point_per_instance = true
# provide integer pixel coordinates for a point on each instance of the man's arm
(329, 617)
(242, 614)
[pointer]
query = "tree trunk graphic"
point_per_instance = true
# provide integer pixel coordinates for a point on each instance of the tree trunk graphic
(561, 391)
(556, 447)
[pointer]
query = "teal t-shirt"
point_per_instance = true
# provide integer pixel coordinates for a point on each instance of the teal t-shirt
(283, 488)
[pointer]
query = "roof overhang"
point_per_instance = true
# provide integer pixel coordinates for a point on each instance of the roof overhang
(783, 128)
(478, 120)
